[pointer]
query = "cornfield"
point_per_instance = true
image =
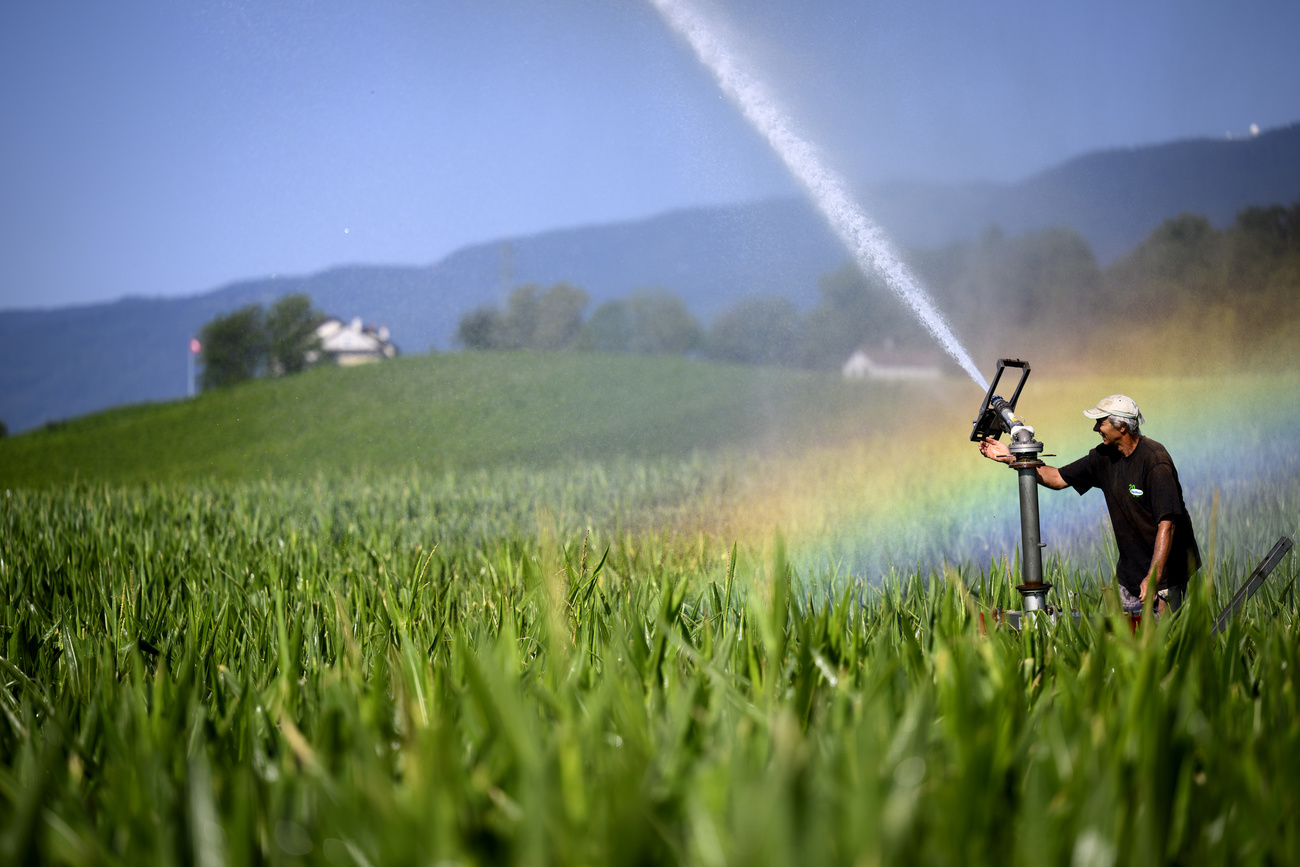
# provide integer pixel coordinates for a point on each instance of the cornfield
(457, 670)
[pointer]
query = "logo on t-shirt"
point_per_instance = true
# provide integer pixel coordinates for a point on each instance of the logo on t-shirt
(1134, 490)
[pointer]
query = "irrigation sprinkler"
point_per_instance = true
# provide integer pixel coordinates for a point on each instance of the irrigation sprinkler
(997, 416)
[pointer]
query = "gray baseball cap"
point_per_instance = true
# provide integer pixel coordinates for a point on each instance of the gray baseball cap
(1116, 404)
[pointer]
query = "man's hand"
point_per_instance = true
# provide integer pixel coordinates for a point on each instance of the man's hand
(1048, 477)
(1164, 542)
(995, 451)
(1161, 605)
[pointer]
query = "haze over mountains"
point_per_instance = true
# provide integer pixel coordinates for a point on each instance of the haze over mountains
(65, 362)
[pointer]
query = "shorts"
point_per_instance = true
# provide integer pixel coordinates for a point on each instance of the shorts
(1172, 596)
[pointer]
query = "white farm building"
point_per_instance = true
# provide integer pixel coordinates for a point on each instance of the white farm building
(891, 364)
(349, 343)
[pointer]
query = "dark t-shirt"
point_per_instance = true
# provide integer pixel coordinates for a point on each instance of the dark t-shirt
(1141, 491)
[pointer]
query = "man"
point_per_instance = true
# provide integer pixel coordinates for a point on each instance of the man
(1153, 531)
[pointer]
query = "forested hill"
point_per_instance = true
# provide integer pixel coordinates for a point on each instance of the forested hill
(56, 364)
(1113, 198)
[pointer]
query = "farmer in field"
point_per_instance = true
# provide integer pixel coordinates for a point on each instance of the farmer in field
(1153, 531)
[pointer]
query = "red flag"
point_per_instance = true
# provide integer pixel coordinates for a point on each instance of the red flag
(195, 346)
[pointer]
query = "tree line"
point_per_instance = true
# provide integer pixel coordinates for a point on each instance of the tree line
(996, 290)
(648, 322)
(853, 310)
(255, 341)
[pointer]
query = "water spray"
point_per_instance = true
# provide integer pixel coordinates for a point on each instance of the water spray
(996, 417)
(864, 239)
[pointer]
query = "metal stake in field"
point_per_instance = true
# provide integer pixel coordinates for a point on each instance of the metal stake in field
(996, 417)
(1253, 583)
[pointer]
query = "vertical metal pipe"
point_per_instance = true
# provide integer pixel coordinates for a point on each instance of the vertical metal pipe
(1031, 553)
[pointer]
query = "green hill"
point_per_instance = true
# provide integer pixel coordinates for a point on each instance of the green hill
(444, 412)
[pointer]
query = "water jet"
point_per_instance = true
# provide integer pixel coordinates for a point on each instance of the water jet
(871, 249)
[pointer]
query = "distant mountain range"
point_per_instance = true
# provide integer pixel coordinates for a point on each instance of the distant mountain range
(65, 362)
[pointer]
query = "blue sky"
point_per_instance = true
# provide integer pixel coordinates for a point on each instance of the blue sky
(166, 147)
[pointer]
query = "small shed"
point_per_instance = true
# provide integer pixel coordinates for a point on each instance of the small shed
(891, 364)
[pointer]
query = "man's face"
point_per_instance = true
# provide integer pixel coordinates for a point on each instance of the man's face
(1109, 433)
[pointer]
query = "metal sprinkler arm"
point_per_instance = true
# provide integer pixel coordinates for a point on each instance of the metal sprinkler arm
(997, 416)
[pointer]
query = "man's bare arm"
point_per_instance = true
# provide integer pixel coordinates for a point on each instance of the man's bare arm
(1160, 556)
(1048, 477)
